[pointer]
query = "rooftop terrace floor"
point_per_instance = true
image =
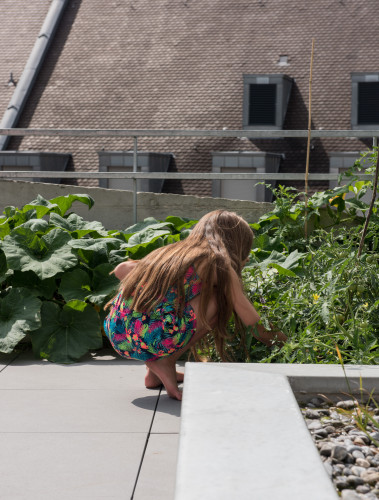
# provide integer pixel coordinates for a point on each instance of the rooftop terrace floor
(86, 430)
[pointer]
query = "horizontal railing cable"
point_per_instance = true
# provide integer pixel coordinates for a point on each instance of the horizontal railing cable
(266, 134)
(171, 175)
(242, 134)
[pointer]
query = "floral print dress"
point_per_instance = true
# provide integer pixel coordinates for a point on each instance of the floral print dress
(159, 333)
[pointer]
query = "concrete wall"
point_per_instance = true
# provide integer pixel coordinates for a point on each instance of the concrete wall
(114, 208)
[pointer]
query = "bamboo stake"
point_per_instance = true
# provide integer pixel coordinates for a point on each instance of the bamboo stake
(309, 141)
(374, 190)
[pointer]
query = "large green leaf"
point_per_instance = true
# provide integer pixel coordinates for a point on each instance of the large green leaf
(79, 285)
(103, 284)
(93, 252)
(41, 206)
(46, 256)
(180, 223)
(96, 244)
(14, 218)
(173, 238)
(37, 287)
(59, 205)
(19, 314)
(37, 225)
(75, 285)
(140, 251)
(67, 333)
(117, 256)
(77, 226)
(144, 242)
(140, 226)
(144, 237)
(65, 202)
(92, 259)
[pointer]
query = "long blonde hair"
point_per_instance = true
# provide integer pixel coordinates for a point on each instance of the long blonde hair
(221, 240)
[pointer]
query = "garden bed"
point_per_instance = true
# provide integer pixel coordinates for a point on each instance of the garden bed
(347, 437)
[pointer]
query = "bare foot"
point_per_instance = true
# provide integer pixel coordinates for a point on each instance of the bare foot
(179, 377)
(152, 381)
(164, 370)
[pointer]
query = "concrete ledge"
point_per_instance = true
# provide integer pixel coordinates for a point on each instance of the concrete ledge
(242, 433)
(308, 381)
(114, 207)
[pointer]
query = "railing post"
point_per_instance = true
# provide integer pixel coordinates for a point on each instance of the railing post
(135, 164)
(374, 142)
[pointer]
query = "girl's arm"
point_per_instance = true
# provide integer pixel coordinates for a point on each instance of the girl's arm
(249, 316)
(124, 269)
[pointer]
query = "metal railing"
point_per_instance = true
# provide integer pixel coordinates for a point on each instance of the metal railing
(135, 134)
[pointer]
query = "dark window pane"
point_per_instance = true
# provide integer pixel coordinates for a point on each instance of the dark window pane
(262, 104)
(368, 103)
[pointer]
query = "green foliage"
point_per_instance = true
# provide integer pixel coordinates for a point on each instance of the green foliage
(331, 298)
(319, 293)
(55, 273)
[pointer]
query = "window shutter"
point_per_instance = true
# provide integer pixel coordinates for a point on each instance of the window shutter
(262, 104)
(368, 103)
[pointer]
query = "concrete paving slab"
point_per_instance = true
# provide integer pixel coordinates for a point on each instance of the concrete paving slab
(78, 431)
(243, 436)
(157, 477)
(96, 372)
(75, 411)
(167, 415)
(69, 466)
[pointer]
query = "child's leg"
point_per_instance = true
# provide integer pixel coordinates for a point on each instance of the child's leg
(164, 368)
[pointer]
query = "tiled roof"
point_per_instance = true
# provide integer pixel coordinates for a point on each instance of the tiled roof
(180, 64)
(20, 26)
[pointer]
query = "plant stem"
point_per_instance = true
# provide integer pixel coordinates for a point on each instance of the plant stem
(374, 190)
(309, 141)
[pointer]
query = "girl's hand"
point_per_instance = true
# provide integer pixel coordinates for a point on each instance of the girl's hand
(268, 337)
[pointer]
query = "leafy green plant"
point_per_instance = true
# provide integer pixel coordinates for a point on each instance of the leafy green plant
(55, 273)
(316, 290)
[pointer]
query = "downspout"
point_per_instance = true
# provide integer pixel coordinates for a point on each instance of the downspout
(31, 70)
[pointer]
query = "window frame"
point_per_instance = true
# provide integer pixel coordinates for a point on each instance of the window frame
(283, 91)
(357, 78)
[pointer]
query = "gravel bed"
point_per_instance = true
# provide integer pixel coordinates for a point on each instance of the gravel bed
(350, 457)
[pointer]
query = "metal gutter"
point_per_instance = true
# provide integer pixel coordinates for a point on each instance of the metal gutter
(31, 70)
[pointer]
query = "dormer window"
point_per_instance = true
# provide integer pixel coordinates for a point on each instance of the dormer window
(365, 100)
(265, 101)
